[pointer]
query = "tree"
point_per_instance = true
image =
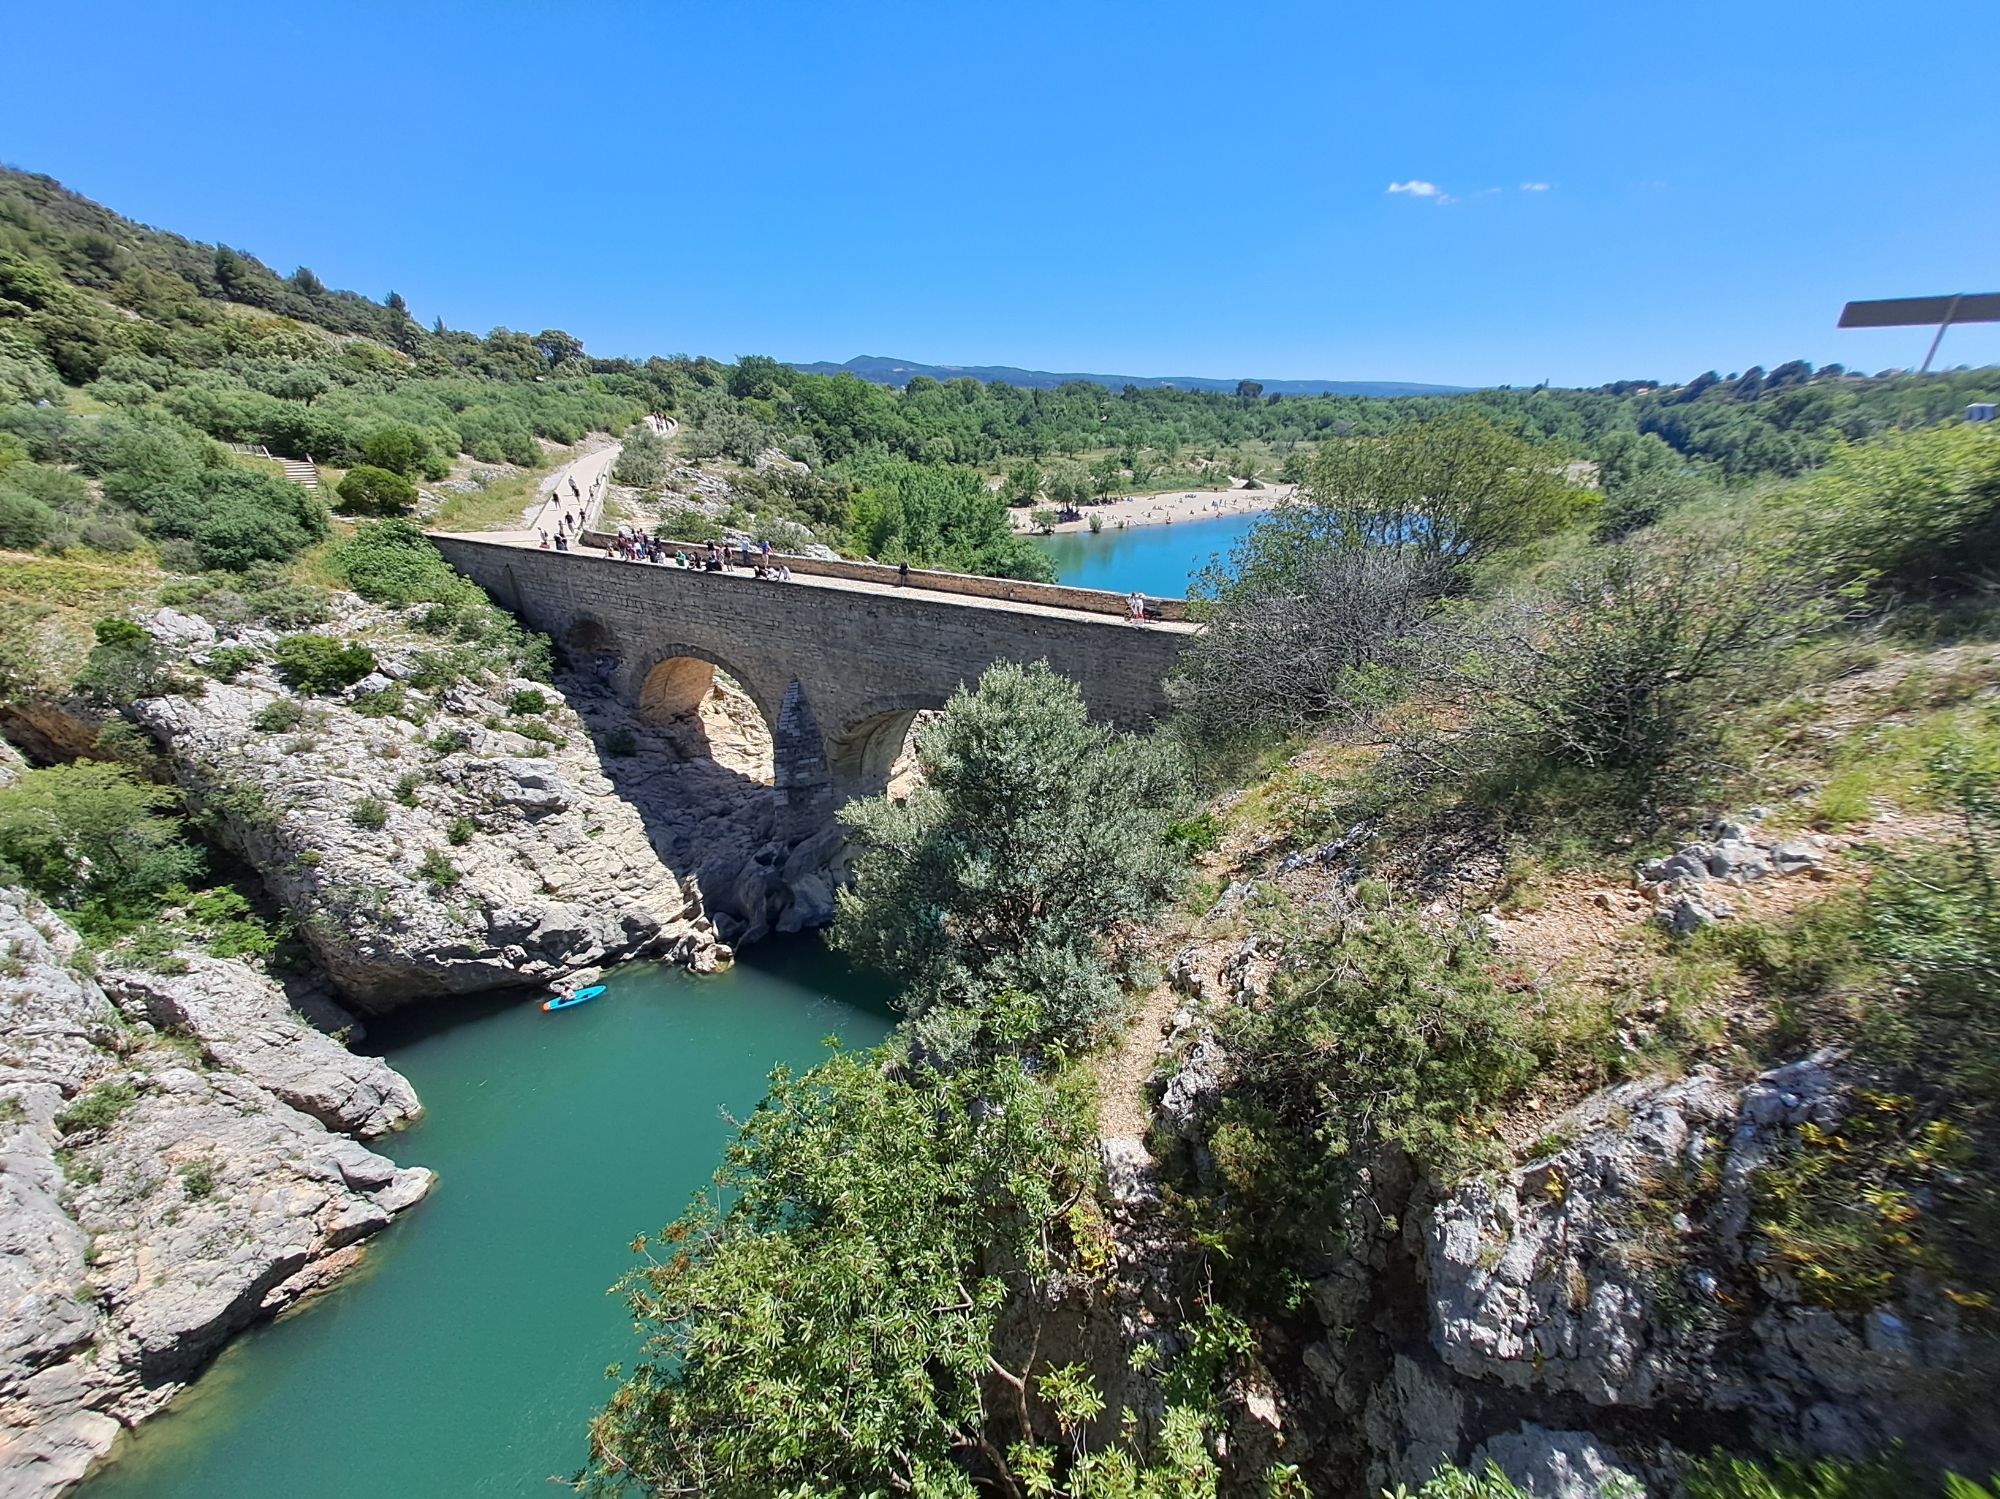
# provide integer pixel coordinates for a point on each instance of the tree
(642, 463)
(376, 491)
(1045, 518)
(1455, 489)
(558, 348)
(1248, 390)
(1022, 484)
(1035, 832)
(1069, 484)
(836, 1328)
(88, 835)
(397, 447)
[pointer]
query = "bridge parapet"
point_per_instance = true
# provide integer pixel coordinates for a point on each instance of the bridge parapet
(969, 585)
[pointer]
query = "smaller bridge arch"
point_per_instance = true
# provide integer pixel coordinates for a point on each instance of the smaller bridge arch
(861, 755)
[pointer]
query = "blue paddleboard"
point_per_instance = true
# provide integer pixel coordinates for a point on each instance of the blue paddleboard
(564, 1001)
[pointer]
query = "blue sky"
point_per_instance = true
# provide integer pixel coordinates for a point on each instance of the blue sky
(1138, 189)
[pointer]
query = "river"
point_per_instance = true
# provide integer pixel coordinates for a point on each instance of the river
(466, 1355)
(1159, 560)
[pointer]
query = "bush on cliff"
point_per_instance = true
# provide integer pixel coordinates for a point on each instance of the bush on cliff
(376, 491)
(319, 663)
(90, 838)
(990, 890)
(837, 1327)
(1380, 1039)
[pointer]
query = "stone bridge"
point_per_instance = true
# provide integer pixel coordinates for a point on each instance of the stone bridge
(839, 660)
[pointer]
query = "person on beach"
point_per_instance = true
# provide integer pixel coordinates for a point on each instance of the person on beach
(902, 574)
(1137, 603)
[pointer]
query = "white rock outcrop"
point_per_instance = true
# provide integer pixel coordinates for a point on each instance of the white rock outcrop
(449, 847)
(157, 1194)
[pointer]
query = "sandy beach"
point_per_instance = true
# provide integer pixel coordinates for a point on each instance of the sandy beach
(1165, 509)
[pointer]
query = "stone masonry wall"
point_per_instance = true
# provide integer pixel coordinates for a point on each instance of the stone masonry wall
(827, 667)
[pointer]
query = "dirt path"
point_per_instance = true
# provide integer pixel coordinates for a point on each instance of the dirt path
(576, 489)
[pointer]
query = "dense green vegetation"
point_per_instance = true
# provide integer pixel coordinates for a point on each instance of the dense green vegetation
(989, 890)
(128, 355)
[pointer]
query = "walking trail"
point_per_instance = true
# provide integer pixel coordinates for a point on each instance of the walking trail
(590, 475)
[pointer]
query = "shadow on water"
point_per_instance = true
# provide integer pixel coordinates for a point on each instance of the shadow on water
(425, 1019)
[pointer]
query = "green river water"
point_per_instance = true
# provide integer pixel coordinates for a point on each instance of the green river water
(467, 1353)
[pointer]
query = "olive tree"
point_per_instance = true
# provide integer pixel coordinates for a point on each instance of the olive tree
(990, 891)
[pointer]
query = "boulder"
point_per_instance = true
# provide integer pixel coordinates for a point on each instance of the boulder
(1558, 1464)
(245, 1023)
(500, 860)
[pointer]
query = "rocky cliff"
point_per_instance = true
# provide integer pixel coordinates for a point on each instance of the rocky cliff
(176, 1162)
(430, 836)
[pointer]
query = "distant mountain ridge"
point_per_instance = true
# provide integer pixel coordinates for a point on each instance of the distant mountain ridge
(880, 370)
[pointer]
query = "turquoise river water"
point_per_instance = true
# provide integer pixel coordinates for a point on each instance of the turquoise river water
(1159, 560)
(466, 1355)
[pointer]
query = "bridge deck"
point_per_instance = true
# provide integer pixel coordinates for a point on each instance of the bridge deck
(735, 576)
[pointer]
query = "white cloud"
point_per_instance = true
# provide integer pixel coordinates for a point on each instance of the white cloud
(1416, 187)
(1534, 187)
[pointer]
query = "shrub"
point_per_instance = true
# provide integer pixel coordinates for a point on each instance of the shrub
(1618, 674)
(376, 491)
(527, 701)
(198, 1179)
(286, 605)
(279, 716)
(989, 890)
(1915, 511)
(390, 702)
(437, 871)
(1380, 1036)
(90, 837)
(622, 743)
(25, 522)
(234, 518)
(393, 562)
(369, 813)
(123, 665)
(228, 662)
(460, 832)
(320, 664)
(96, 1109)
(406, 787)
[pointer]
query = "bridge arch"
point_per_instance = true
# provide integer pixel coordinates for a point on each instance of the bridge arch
(862, 755)
(679, 693)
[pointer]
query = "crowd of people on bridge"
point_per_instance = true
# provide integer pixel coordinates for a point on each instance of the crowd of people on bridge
(631, 545)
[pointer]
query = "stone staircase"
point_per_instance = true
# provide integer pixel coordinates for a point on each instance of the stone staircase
(301, 472)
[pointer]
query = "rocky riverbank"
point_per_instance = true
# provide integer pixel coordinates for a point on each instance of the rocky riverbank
(179, 1157)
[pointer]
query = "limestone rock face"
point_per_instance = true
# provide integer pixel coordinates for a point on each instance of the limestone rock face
(245, 1023)
(1624, 1270)
(467, 851)
(156, 1193)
